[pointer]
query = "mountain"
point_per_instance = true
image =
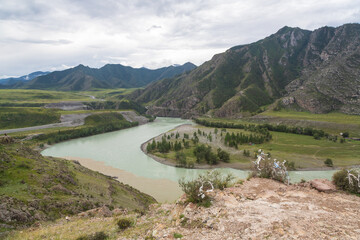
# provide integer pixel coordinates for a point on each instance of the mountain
(109, 76)
(317, 71)
(14, 80)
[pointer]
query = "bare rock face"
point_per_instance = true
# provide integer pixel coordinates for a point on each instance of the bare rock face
(323, 185)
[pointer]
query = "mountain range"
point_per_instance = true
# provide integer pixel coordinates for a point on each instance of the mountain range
(82, 78)
(14, 80)
(316, 71)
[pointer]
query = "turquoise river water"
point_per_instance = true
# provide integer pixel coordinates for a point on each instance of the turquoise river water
(121, 150)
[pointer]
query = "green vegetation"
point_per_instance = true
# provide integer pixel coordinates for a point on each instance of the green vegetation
(26, 117)
(328, 162)
(94, 124)
(177, 235)
(196, 189)
(95, 236)
(36, 188)
(17, 97)
(347, 180)
(328, 117)
(263, 128)
(124, 223)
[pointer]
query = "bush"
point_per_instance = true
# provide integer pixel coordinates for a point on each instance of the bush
(328, 162)
(177, 235)
(124, 223)
(192, 187)
(341, 180)
(96, 236)
(265, 167)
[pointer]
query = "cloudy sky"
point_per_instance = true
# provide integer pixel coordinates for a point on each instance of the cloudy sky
(58, 34)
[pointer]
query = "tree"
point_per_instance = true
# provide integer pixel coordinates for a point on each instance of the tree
(328, 162)
(223, 156)
(180, 159)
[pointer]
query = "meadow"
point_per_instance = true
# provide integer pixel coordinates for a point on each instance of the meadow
(306, 152)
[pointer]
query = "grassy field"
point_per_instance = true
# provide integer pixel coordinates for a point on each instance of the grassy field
(38, 96)
(333, 123)
(22, 96)
(305, 151)
(109, 94)
(18, 117)
(329, 117)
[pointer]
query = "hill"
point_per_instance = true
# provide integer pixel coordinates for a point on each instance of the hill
(36, 188)
(316, 71)
(83, 78)
(15, 80)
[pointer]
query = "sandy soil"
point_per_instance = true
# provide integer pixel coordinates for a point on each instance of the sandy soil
(163, 190)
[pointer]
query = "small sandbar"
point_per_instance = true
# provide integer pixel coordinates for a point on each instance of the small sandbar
(163, 190)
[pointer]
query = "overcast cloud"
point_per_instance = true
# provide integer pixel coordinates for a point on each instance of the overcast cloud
(57, 34)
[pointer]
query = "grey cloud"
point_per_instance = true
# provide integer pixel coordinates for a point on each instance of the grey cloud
(40, 41)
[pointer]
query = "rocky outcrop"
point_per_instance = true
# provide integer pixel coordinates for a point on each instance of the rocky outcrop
(262, 209)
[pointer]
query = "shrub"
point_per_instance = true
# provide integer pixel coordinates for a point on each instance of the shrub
(208, 180)
(96, 236)
(124, 223)
(265, 167)
(328, 162)
(177, 235)
(342, 181)
(290, 165)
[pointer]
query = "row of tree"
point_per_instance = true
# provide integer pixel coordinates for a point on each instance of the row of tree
(165, 146)
(84, 132)
(233, 140)
(263, 128)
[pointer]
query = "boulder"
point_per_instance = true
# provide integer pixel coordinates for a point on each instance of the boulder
(323, 185)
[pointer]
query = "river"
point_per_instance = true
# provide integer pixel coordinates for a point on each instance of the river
(119, 154)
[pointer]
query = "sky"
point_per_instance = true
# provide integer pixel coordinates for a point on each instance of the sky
(58, 34)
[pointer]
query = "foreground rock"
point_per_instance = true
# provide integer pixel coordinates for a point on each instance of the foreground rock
(323, 185)
(264, 209)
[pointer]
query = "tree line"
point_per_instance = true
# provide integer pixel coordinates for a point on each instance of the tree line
(60, 136)
(262, 128)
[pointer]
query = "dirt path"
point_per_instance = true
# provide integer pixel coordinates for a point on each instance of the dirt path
(68, 120)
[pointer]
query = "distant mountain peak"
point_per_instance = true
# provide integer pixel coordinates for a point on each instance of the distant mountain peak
(109, 76)
(316, 71)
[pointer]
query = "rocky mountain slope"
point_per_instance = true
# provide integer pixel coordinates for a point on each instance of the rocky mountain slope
(256, 209)
(109, 76)
(318, 71)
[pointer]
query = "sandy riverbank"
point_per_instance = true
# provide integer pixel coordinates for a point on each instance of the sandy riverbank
(163, 190)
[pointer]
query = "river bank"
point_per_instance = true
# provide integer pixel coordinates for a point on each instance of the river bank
(163, 190)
